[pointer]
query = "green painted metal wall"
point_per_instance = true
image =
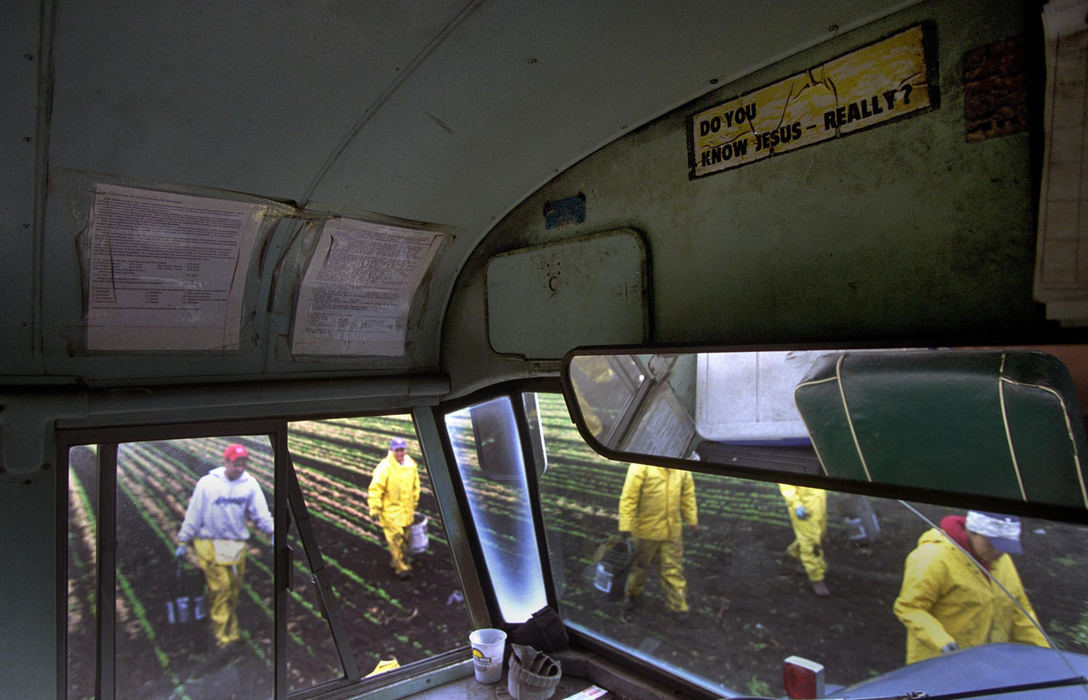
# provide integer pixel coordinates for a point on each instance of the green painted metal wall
(903, 230)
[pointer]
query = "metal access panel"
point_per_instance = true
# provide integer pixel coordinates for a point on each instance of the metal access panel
(544, 300)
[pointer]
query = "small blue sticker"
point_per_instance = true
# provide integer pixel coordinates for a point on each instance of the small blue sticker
(570, 210)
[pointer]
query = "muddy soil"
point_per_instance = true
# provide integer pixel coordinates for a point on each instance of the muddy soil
(752, 605)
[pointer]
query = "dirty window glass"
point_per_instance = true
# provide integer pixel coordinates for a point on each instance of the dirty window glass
(752, 601)
(389, 621)
(82, 569)
(487, 448)
(187, 623)
(182, 632)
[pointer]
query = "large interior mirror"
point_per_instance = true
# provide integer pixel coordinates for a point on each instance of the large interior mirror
(1004, 423)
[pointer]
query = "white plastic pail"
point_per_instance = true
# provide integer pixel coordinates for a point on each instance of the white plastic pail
(417, 535)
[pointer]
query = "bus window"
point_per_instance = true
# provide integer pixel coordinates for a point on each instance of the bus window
(194, 610)
(389, 621)
(751, 602)
(193, 619)
(498, 500)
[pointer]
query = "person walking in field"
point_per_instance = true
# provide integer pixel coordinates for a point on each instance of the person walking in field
(952, 596)
(654, 505)
(215, 523)
(808, 517)
(393, 497)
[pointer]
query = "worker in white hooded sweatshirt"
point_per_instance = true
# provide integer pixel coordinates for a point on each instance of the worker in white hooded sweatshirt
(215, 523)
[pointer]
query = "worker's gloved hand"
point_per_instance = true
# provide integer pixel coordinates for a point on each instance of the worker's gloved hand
(951, 646)
(180, 551)
(801, 513)
(694, 529)
(625, 533)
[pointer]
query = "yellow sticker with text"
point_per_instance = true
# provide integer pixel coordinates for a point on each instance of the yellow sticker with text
(877, 84)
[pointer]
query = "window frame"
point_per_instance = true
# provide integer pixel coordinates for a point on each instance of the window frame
(105, 560)
(585, 641)
(512, 391)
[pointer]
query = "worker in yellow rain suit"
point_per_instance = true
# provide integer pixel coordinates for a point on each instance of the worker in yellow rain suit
(654, 505)
(951, 600)
(215, 524)
(393, 497)
(808, 516)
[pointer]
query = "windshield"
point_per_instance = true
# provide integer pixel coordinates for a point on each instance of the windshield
(725, 602)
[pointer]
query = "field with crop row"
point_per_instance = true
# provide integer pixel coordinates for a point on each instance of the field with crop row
(334, 461)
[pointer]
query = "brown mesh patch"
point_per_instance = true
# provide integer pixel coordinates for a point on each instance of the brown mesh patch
(995, 98)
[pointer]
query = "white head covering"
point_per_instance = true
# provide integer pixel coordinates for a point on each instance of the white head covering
(1003, 531)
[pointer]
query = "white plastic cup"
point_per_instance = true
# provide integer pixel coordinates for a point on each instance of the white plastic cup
(488, 647)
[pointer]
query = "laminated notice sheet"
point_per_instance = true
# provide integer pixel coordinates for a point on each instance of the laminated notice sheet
(358, 289)
(167, 271)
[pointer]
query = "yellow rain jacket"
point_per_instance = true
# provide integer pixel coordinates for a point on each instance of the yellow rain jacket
(656, 501)
(394, 492)
(948, 597)
(808, 533)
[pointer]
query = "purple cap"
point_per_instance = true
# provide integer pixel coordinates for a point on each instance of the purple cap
(398, 444)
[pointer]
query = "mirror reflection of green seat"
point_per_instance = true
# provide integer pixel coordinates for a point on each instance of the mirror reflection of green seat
(996, 423)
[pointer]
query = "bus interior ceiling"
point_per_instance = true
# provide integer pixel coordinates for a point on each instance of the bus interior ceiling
(557, 166)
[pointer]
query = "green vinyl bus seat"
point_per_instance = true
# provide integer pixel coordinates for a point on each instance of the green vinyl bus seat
(997, 423)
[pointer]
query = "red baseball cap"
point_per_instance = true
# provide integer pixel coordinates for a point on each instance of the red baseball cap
(234, 452)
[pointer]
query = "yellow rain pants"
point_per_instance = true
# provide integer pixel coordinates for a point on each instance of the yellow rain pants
(223, 576)
(669, 556)
(397, 539)
(808, 533)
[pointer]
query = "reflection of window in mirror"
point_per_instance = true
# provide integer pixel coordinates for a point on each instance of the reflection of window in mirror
(606, 387)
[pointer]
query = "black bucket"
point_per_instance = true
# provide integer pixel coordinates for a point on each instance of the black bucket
(613, 566)
(186, 591)
(862, 526)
